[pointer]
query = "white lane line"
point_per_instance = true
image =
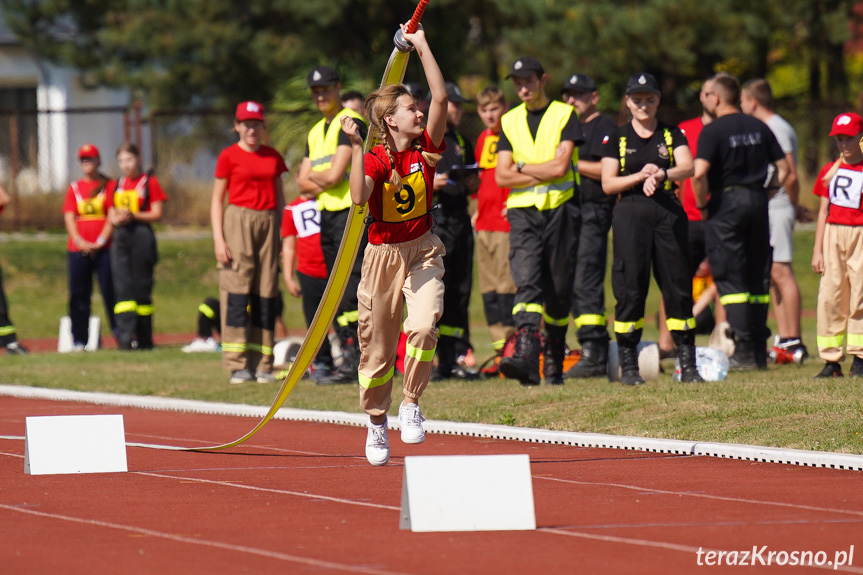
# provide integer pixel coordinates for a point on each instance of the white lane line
(650, 490)
(670, 546)
(314, 496)
(206, 543)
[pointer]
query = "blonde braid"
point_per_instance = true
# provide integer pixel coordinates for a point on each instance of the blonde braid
(430, 158)
(395, 178)
(833, 169)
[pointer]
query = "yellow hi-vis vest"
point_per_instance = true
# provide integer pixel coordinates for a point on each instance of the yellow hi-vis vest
(545, 195)
(322, 148)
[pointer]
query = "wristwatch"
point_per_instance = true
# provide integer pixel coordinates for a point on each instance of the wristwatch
(519, 166)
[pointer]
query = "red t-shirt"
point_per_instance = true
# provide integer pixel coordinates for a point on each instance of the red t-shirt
(145, 188)
(303, 220)
(491, 199)
(251, 176)
(844, 191)
(691, 129)
(404, 216)
(90, 210)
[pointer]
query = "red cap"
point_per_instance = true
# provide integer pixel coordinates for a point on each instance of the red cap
(249, 111)
(849, 124)
(88, 151)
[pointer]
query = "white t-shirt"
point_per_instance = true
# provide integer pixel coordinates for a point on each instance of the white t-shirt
(787, 138)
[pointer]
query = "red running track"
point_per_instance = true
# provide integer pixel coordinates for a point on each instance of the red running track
(299, 497)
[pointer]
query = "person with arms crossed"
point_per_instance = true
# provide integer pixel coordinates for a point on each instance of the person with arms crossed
(403, 263)
(535, 160)
(246, 245)
(588, 292)
(324, 173)
(731, 165)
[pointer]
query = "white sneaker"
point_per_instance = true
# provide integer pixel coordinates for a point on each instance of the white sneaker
(411, 421)
(265, 377)
(377, 445)
(201, 345)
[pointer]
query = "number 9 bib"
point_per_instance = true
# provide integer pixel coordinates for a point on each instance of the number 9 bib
(407, 204)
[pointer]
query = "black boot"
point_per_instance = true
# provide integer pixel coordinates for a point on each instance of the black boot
(688, 369)
(555, 350)
(593, 362)
(346, 372)
(446, 361)
(145, 332)
(744, 357)
(524, 365)
(627, 355)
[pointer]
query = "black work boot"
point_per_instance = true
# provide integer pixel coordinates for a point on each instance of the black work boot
(524, 365)
(628, 358)
(145, 332)
(688, 368)
(743, 358)
(593, 362)
(555, 350)
(346, 372)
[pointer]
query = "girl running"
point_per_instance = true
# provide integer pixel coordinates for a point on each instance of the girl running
(403, 262)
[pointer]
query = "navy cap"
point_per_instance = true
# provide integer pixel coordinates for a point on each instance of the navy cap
(453, 94)
(579, 83)
(322, 76)
(525, 66)
(642, 82)
(416, 90)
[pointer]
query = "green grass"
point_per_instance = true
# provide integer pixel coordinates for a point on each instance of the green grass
(783, 407)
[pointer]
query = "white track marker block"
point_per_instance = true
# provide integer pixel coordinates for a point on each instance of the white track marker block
(467, 493)
(64, 338)
(94, 329)
(74, 444)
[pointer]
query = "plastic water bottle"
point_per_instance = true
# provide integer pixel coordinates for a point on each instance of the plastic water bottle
(712, 364)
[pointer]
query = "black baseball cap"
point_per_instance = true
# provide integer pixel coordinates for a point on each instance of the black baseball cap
(525, 66)
(642, 82)
(453, 94)
(322, 76)
(579, 83)
(416, 90)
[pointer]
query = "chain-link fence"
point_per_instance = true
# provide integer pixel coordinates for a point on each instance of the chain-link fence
(38, 152)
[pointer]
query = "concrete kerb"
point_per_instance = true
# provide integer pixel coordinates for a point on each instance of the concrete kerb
(671, 446)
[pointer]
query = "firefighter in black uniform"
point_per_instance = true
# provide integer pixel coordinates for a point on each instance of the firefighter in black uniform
(588, 293)
(456, 179)
(535, 160)
(649, 228)
(731, 165)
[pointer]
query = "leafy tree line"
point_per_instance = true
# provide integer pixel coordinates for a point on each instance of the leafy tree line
(213, 53)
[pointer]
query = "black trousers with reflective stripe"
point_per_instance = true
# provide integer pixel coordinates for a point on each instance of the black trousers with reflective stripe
(649, 232)
(332, 229)
(133, 260)
(5, 322)
(542, 257)
(737, 237)
(588, 292)
(456, 233)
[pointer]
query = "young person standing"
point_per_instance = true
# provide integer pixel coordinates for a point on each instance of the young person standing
(324, 174)
(535, 160)
(8, 337)
(650, 228)
(588, 292)
(246, 244)
(138, 202)
(491, 225)
(838, 251)
(87, 212)
(403, 264)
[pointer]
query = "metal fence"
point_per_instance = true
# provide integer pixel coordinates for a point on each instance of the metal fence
(38, 152)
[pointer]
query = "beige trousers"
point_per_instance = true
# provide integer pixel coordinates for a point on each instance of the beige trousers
(494, 275)
(840, 295)
(249, 289)
(394, 276)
